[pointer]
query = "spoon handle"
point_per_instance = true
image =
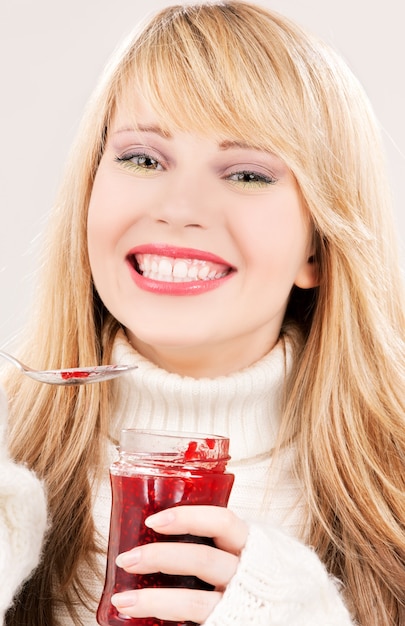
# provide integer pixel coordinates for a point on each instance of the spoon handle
(14, 361)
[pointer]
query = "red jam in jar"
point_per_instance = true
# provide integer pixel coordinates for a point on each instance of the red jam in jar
(157, 470)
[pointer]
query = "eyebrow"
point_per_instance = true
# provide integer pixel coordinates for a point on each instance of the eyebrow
(145, 128)
(227, 144)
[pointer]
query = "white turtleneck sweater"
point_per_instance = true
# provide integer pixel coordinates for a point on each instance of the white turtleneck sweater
(279, 581)
(23, 519)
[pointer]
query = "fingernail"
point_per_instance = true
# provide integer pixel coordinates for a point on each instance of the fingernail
(160, 519)
(128, 559)
(124, 600)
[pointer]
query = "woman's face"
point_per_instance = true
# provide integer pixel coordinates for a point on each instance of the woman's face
(195, 244)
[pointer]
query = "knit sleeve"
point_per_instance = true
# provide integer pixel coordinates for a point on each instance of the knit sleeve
(23, 520)
(279, 582)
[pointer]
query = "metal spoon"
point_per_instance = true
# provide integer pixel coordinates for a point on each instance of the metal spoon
(73, 375)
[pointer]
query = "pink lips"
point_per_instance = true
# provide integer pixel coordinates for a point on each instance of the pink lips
(174, 255)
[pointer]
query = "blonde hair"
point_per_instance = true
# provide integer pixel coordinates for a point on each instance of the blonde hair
(252, 75)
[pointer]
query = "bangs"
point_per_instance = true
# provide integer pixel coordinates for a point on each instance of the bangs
(213, 72)
(236, 72)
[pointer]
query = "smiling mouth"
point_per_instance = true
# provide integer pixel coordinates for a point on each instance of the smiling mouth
(177, 270)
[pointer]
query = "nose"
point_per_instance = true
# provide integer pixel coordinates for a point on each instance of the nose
(183, 203)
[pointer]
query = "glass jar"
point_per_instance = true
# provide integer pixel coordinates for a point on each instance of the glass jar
(157, 470)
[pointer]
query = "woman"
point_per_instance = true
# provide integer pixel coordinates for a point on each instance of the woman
(225, 139)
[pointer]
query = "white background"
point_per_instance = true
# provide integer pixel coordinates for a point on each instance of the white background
(51, 54)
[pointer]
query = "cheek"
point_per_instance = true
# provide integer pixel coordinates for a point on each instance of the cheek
(278, 240)
(98, 200)
(101, 226)
(108, 211)
(117, 202)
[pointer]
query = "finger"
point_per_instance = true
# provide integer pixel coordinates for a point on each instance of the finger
(228, 531)
(177, 605)
(214, 566)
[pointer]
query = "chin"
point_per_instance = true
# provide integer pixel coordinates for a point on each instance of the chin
(165, 342)
(179, 340)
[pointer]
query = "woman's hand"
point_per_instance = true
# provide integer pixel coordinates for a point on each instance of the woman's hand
(215, 565)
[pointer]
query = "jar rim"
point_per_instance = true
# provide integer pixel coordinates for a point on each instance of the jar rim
(174, 446)
(173, 433)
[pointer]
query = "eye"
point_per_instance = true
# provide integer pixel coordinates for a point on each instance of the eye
(139, 161)
(248, 178)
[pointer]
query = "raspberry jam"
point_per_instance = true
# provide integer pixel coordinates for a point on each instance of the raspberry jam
(66, 375)
(157, 470)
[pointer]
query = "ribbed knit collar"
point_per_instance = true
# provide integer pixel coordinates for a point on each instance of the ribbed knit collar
(244, 406)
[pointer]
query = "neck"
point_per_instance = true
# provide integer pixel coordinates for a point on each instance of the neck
(204, 361)
(244, 406)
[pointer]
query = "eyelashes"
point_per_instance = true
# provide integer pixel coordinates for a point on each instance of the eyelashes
(144, 163)
(247, 178)
(139, 161)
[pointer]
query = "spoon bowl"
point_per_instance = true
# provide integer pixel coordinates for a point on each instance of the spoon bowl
(72, 375)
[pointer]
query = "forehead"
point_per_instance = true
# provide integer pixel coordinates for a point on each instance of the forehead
(133, 112)
(136, 113)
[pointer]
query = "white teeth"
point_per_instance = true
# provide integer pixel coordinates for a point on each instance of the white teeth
(193, 272)
(165, 267)
(168, 269)
(180, 269)
(203, 272)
